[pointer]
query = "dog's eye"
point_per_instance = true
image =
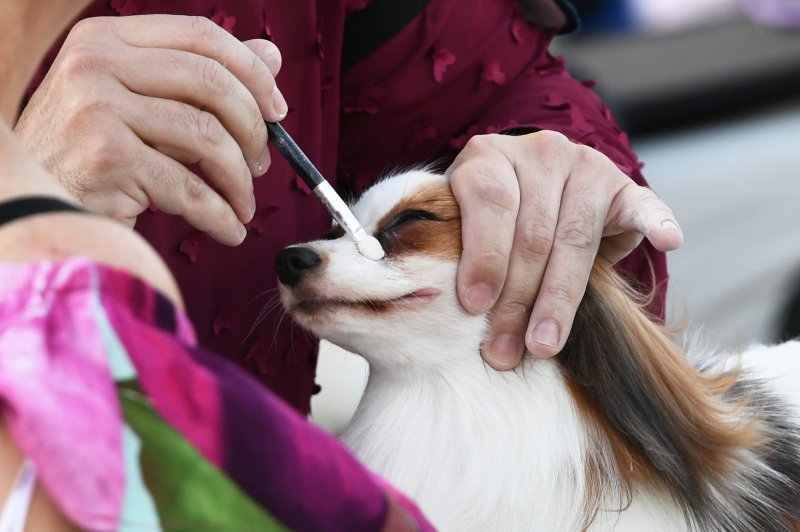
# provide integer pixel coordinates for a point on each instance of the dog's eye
(334, 233)
(410, 215)
(389, 232)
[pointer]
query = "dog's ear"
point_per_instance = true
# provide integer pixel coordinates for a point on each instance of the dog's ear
(665, 420)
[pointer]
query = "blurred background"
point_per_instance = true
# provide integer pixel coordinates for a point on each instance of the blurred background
(709, 92)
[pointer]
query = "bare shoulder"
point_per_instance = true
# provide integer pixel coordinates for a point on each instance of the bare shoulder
(57, 236)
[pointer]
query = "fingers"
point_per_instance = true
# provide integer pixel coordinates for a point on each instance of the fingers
(575, 242)
(598, 200)
(200, 36)
(271, 56)
(176, 190)
(533, 241)
(192, 136)
(485, 185)
(268, 53)
(150, 177)
(204, 84)
(638, 212)
(571, 198)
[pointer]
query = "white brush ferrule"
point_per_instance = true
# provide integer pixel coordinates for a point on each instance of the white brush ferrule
(340, 211)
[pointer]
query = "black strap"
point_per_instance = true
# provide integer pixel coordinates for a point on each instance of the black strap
(22, 207)
(366, 30)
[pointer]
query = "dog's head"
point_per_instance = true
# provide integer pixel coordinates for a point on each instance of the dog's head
(407, 298)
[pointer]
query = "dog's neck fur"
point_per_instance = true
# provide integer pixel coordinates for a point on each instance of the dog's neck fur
(404, 409)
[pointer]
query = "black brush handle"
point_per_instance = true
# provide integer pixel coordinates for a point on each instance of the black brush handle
(292, 152)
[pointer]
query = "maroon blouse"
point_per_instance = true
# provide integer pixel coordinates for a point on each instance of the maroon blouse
(460, 68)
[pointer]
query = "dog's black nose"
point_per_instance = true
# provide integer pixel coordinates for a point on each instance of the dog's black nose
(295, 262)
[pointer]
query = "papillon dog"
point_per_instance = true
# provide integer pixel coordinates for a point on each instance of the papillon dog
(623, 430)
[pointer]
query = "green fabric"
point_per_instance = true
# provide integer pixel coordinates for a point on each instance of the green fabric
(138, 509)
(190, 493)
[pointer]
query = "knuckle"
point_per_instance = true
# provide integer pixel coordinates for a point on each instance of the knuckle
(106, 155)
(560, 293)
(213, 76)
(204, 28)
(82, 58)
(479, 145)
(512, 309)
(209, 128)
(258, 135)
(589, 156)
(535, 238)
(258, 70)
(578, 234)
(87, 27)
(120, 211)
(90, 104)
(490, 259)
(579, 231)
(195, 191)
(475, 182)
(548, 141)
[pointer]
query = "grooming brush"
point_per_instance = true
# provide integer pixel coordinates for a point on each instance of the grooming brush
(367, 245)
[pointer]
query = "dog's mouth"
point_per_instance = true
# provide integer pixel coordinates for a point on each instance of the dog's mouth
(314, 303)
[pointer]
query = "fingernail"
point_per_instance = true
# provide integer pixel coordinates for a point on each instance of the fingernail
(669, 224)
(479, 297)
(242, 230)
(279, 104)
(546, 333)
(504, 350)
(252, 207)
(263, 162)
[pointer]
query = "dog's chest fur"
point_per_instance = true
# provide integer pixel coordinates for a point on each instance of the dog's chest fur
(482, 450)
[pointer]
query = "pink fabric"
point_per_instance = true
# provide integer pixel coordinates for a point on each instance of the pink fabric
(173, 383)
(57, 395)
(60, 323)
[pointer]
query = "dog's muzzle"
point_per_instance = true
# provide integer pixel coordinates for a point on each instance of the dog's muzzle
(294, 263)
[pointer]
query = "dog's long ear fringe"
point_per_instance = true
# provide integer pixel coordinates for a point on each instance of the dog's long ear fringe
(666, 422)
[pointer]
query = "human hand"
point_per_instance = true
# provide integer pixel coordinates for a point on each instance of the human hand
(129, 101)
(536, 209)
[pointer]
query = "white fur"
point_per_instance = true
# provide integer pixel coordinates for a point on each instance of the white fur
(476, 448)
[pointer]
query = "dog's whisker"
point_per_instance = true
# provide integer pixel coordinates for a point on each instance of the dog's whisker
(262, 294)
(271, 306)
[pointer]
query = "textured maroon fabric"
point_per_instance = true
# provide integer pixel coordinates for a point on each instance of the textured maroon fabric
(462, 67)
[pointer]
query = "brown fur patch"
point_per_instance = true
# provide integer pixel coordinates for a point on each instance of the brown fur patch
(664, 420)
(440, 237)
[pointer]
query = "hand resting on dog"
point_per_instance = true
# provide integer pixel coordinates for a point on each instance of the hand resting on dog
(536, 210)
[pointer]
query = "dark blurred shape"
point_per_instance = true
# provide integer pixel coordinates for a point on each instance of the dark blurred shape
(659, 81)
(603, 15)
(790, 328)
